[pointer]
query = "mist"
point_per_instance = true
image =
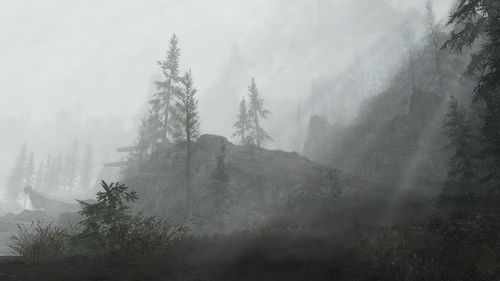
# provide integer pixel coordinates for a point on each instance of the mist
(249, 140)
(91, 62)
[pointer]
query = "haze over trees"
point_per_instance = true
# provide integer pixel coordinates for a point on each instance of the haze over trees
(242, 124)
(475, 24)
(256, 113)
(167, 88)
(407, 190)
(68, 173)
(187, 126)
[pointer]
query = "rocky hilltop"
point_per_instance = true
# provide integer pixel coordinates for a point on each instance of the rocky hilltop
(233, 186)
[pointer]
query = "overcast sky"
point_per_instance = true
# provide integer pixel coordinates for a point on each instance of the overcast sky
(94, 61)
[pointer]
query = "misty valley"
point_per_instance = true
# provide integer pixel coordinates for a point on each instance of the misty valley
(278, 140)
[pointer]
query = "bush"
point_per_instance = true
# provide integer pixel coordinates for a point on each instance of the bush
(146, 236)
(139, 237)
(40, 243)
(110, 230)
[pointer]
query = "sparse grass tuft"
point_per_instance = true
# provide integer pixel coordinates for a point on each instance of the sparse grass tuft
(40, 243)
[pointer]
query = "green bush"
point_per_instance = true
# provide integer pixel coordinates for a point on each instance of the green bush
(109, 229)
(40, 243)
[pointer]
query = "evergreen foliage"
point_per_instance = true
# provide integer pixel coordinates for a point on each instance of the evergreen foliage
(40, 176)
(18, 175)
(242, 125)
(30, 170)
(166, 88)
(459, 134)
(70, 168)
(476, 24)
(160, 124)
(257, 135)
(86, 169)
(110, 210)
(187, 124)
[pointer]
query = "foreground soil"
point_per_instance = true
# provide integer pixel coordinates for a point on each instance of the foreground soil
(451, 235)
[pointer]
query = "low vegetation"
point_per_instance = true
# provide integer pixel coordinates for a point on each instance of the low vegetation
(109, 230)
(40, 242)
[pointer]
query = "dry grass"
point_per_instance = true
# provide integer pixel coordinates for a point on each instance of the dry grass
(40, 243)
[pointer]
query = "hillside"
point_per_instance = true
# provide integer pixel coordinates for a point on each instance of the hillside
(398, 135)
(233, 187)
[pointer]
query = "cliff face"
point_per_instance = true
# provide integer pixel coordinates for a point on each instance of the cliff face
(403, 138)
(319, 143)
(232, 187)
(398, 136)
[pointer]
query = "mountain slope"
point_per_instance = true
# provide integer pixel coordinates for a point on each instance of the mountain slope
(398, 136)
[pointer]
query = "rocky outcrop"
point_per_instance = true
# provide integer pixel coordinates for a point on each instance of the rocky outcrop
(233, 186)
(398, 135)
(50, 206)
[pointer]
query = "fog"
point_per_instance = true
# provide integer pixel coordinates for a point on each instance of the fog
(85, 69)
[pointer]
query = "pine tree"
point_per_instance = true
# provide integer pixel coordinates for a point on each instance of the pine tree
(242, 125)
(70, 168)
(143, 142)
(477, 24)
(86, 169)
(166, 87)
(57, 172)
(18, 174)
(459, 135)
(256, 112)
(40, 176)
(47, 179)
(187, 126)
(30, 171)
(434, 42)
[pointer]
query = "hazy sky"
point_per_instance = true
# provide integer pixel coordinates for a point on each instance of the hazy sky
(94, 61)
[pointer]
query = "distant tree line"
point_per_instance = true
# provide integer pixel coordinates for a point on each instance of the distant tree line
(67, 171)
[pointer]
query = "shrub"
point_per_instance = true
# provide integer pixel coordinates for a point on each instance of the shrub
(109, 229)
(146, 236)
(40, 243)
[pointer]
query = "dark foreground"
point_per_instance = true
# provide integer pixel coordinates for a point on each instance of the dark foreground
(454, 235)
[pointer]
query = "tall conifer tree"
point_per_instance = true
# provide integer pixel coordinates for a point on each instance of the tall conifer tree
(166, 87)
(40, 176)
(187, 126)
(18, 173)
(459, 135)
(257, 112)
(242, 125)
(86, 169)
(30, 171)
(477, 24)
